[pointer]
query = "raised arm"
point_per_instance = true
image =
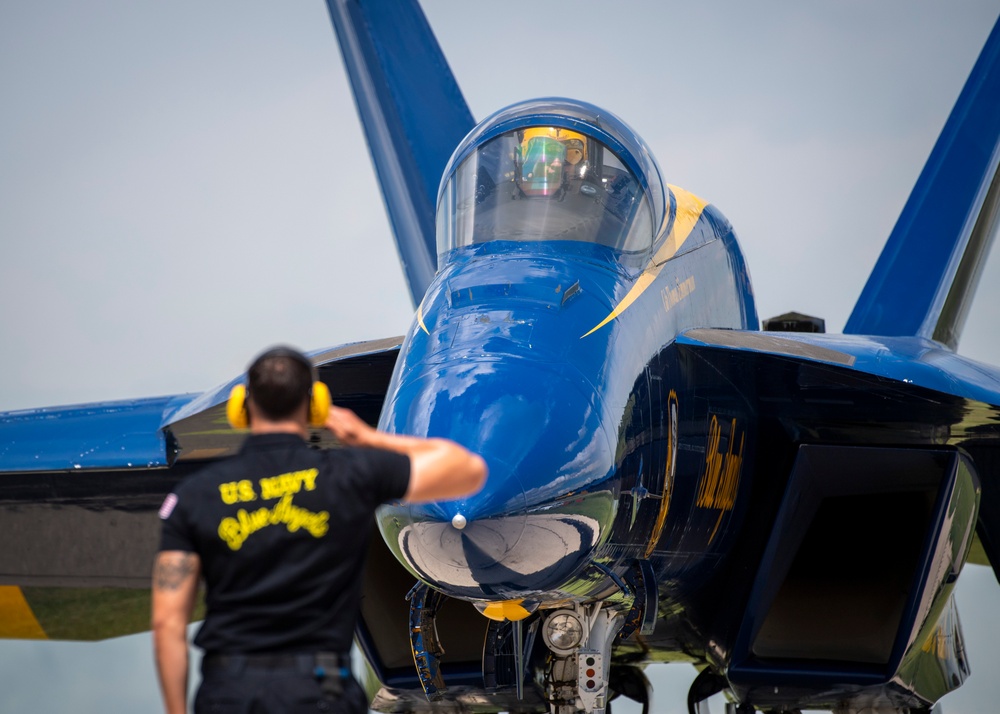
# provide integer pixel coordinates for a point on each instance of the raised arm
(439, 469)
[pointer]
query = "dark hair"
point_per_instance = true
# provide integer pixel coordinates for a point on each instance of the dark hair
(279, 382)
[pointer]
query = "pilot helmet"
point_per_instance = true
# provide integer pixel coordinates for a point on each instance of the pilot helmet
(548, 157)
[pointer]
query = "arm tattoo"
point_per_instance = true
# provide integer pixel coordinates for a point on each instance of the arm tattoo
(171, 572)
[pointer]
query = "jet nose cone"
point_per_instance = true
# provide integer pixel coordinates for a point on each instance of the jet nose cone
(544, 507)
(546, 553)
(505, 556)
(457, 545)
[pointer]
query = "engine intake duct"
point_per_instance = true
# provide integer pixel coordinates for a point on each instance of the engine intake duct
(859, 564)
(845, 591)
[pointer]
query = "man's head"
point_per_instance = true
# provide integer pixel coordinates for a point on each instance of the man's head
(279, 383)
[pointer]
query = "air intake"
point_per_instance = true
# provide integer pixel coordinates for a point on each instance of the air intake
(864, 540)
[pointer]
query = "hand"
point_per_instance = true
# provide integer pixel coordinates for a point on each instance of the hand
(347, 426)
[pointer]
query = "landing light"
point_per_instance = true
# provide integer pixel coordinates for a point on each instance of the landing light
(563, 632)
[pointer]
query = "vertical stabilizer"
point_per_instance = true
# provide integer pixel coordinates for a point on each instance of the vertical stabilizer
(924, 280)
(413, 115)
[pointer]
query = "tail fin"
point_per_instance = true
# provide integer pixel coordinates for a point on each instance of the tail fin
(413, 114)
(924, 280)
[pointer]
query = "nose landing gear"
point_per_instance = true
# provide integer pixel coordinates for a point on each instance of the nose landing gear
(580, 640)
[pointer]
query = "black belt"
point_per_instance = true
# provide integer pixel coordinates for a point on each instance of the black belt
(322, 665)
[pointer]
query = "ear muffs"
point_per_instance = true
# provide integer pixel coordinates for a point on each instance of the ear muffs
(239, 417)
(319, 404)
(236, 407)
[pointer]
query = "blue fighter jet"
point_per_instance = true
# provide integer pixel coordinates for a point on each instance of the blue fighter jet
(785, 508)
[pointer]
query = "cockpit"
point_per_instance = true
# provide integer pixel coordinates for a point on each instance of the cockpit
(544, 183)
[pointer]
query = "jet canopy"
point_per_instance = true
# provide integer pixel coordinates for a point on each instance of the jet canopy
(549, 182)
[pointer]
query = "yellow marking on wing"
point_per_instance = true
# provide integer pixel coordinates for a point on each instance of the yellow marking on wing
(420, 318)
(689, 210)
(17, 621)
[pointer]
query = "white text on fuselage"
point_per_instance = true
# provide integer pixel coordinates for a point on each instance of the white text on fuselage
(674, 295)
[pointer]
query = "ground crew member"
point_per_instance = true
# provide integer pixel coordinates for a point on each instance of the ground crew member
(279, 532)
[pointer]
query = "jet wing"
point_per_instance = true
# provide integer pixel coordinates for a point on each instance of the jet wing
(112, 435)
(819, 382)
(80, 487)
(908, 360)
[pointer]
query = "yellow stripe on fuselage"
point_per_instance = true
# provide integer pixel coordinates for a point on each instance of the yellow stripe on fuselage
(17, 621)
(420, 318)
(689, 210)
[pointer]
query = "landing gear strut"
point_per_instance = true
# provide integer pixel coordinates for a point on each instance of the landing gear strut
(578, 673)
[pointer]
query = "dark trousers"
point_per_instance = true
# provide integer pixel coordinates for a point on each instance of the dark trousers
(244, 687)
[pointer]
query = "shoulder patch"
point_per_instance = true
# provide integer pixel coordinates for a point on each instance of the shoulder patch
(168, 506)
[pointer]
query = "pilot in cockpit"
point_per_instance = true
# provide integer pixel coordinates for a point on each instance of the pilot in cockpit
(549, 157)
(543, 183)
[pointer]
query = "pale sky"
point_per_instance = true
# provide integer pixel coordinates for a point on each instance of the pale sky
(184, 183)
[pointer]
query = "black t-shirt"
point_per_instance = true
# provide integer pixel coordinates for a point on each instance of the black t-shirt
(282, 531)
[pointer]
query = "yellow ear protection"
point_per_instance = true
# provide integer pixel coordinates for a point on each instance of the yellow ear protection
(319, 395)
(319, 404)
(236, 407)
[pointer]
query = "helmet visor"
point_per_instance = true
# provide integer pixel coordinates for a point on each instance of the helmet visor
(542, 162)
